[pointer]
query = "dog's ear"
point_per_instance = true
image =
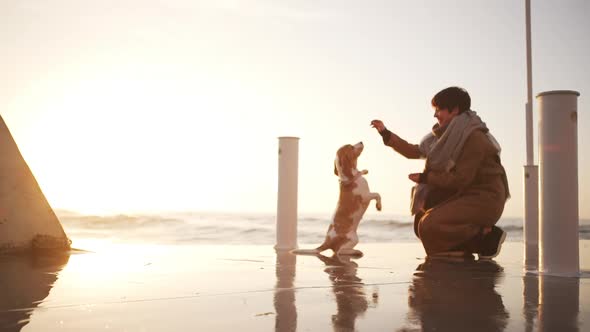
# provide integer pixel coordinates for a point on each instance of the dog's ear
(346, 162)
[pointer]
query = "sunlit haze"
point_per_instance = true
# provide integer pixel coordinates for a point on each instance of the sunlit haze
(129, 106)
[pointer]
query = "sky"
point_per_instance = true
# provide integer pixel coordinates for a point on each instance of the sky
(142, 106)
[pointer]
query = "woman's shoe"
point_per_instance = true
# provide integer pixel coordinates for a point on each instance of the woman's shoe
(492, 243)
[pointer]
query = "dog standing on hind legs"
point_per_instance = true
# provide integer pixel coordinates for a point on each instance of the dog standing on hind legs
(353, 201)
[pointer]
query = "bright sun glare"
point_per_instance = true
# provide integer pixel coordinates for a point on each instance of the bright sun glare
(114, 143)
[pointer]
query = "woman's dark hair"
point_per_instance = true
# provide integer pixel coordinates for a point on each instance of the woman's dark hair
(452, 97)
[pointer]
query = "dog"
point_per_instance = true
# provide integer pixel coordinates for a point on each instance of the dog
(353, 201)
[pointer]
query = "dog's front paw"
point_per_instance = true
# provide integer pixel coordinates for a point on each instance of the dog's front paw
(378, 206)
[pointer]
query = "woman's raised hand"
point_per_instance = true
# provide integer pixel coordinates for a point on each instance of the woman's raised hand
(378, 124)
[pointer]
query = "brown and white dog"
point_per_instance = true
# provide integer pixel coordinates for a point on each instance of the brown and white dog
(354, 199)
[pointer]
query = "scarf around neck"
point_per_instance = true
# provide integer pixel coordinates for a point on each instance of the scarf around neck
(443, 145)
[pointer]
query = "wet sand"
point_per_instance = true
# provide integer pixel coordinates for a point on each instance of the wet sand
(252, 288)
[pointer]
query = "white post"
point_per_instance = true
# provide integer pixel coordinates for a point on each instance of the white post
(558, 158)
(287, 193)
(531, 171)
(531, 217)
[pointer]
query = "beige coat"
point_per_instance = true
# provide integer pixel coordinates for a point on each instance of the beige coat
(476, 190)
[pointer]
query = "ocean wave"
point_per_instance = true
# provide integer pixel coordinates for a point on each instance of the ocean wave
(237, 229)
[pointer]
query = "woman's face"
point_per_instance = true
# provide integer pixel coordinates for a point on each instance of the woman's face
(444, 116)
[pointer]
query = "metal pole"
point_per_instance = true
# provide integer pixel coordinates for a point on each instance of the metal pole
(531, 171)
(529, 81)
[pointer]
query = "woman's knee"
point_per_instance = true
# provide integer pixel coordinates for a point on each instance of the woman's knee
(426, 225)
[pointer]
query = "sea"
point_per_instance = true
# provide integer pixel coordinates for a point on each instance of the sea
(245, 228)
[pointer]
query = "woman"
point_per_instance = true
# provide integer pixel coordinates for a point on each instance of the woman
(460, 195)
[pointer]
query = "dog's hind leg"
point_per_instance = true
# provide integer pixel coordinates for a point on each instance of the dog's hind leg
(322, 247)
(348, 247)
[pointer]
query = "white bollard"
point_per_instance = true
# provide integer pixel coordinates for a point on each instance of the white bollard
(531, 217)
(558, 158)
(287, 193)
